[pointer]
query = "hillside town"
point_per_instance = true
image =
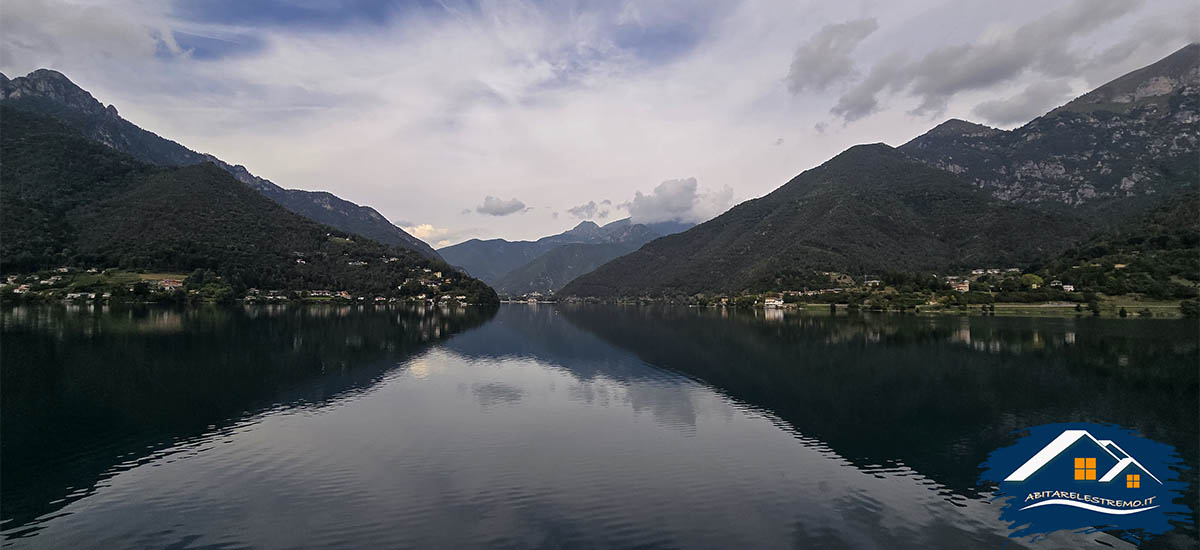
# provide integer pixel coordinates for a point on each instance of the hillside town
(99, 285)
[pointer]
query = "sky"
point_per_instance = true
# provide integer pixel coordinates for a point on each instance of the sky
(487, 119)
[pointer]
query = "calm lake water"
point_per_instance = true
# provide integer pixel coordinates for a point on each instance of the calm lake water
(553, 426)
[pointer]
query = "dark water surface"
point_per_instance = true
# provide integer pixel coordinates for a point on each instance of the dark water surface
(554, 426)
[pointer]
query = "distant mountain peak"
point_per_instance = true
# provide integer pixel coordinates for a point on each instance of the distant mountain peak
(1152, 83)
(51, 84)
(586, 224)
(962, 128)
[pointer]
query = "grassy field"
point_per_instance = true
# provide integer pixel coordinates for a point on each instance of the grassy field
(160, 276)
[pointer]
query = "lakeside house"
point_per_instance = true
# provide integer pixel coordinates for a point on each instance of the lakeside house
(1068, 288)
(961, 286)
(170, 284)
(773, 302)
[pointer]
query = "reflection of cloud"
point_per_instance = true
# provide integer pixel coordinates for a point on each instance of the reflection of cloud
(497, 393)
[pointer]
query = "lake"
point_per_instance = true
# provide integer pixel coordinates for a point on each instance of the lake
(554, 426)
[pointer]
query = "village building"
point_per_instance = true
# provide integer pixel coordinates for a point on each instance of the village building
(961, 286)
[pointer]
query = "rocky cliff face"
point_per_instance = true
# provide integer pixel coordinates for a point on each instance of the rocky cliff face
(1113, 148)
(51, 93)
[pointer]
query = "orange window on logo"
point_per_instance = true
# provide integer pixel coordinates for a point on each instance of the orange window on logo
(1133, 481)
(1085, 469)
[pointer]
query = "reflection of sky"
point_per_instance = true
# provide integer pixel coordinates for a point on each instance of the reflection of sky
(529, 431)
(486, 452)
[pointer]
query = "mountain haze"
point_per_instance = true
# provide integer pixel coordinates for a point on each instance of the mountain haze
(545, 265)
(51, 93)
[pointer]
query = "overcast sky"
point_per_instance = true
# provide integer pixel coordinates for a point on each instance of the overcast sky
(518, 119)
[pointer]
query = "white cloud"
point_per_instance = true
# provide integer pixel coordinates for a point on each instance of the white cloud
(679, 200)
(439, 236)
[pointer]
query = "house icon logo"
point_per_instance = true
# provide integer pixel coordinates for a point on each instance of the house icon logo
(1087, 476)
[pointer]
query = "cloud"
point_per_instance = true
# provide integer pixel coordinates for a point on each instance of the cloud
(591, 209)
(1034, 101)
(679, 200)
(493, 206)
(824, 59)
(1042, 47)
(584, 210)
(438, 236)
(518, 97)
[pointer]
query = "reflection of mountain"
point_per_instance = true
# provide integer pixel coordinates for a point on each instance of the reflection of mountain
(603, 372)
(891, 390)
(113, 406)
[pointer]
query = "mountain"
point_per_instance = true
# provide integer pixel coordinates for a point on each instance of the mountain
(1110, 152)
(550, 271)
(869, 209)
(71, 201)
(1156, 253)
(961, 195)
(518, 267)
(51, 93)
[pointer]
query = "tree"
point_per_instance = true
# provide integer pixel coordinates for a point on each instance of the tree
(1029, 280)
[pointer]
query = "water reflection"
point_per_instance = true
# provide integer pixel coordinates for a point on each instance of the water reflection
(933, 394)
(277, 427)
(89, 391)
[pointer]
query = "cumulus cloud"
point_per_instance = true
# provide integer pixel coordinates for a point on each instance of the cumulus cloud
(1034, 101)
(679, 200)
(493, 206)
(824, 59)
(438, 236)
(592, 209)
(1042, 46)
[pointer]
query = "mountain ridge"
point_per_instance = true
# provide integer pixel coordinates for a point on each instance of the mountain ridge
(52, 93)
(71, 201)
(513, 267)
(869, 209)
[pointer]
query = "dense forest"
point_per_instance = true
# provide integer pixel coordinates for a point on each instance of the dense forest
(69, 201)
(1156, 254)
